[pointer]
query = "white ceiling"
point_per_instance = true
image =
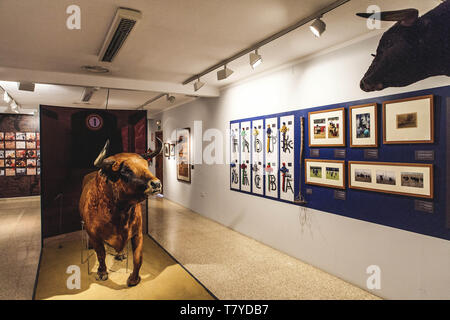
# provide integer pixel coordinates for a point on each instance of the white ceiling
(175, 40)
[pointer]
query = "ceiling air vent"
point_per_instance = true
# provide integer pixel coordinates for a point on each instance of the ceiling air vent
(123, 23)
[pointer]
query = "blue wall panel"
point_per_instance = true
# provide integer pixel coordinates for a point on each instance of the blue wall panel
(396, 211)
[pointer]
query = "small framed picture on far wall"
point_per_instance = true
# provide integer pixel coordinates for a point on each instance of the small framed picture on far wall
(166, 150)
(172, 150)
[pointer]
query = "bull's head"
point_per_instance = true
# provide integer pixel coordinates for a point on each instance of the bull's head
(129, 173)
(400, 59)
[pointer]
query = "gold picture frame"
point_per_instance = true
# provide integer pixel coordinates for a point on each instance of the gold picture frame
(409, 120)
(326, 128)
(363, 129)
(409, 179)
(325, 173)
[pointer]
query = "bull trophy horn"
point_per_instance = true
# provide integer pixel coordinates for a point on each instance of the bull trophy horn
(99, 161)
(151, 155)
(406, 16)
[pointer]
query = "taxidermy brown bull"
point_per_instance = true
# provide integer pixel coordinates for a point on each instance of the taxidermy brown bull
(411, 50)
(110, 205)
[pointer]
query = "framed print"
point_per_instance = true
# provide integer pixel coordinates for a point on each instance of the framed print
(2, 145)
(10, 136)
(411, 179)
(31, 136)
(31, 145)
(409, 120)
(20, 144)
(10, 163)
(257, 168)
(327, 128)
(245, 165)
(10, 172)
(2, 154)
(21, 154)
(31, 153)
(234, 157)
(172, 150)
(166, 150)
(21, 171)
(31, 171)
(10, 154)
(21, 163)
(2, 162)
(326, 173)
(183, 154)
(20, 136)
(364, 126)
(2, 136)
(31, 163)
(2, 172)
(10, 144)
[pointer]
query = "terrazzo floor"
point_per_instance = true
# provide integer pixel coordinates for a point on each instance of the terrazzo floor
(233, 266)
(20, 244)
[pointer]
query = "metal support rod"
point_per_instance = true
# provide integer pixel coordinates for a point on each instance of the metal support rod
(273, 37)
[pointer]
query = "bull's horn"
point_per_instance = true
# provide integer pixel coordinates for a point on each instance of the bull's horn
(99, 161)
(407, 16)
(151, 155)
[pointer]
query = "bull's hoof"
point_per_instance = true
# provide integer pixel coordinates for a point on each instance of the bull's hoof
(131, 282)
(120, 257)
(102, 276)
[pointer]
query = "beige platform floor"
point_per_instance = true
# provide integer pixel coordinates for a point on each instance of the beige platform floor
(233, 266)
(162, 278)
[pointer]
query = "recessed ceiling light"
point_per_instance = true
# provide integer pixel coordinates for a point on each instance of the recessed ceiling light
(95, 69)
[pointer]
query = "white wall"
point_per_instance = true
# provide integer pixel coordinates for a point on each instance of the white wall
(412, 265)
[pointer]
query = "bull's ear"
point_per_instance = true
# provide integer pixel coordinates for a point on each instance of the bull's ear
(110, 170)
(407, 17)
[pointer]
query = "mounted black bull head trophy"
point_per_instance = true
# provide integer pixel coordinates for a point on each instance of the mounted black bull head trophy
(412, 50)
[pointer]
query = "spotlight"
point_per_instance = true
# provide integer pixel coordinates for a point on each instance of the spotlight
(198, 84)
(170, 98)
(318, 27)
(225, 73)
(255, 59)
(6, 97)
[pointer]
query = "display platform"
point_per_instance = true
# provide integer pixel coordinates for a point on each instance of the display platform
(162, 277)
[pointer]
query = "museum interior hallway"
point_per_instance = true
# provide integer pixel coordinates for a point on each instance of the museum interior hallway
(227, 263)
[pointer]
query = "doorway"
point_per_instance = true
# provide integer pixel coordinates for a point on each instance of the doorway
(159, 162)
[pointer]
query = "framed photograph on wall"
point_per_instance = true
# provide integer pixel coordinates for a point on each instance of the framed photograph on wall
(326, 173)
(183, 154)
(172, 150)
(410, 179)
(363, 126)
(409, 120)
(327, 128)
(166, 150)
